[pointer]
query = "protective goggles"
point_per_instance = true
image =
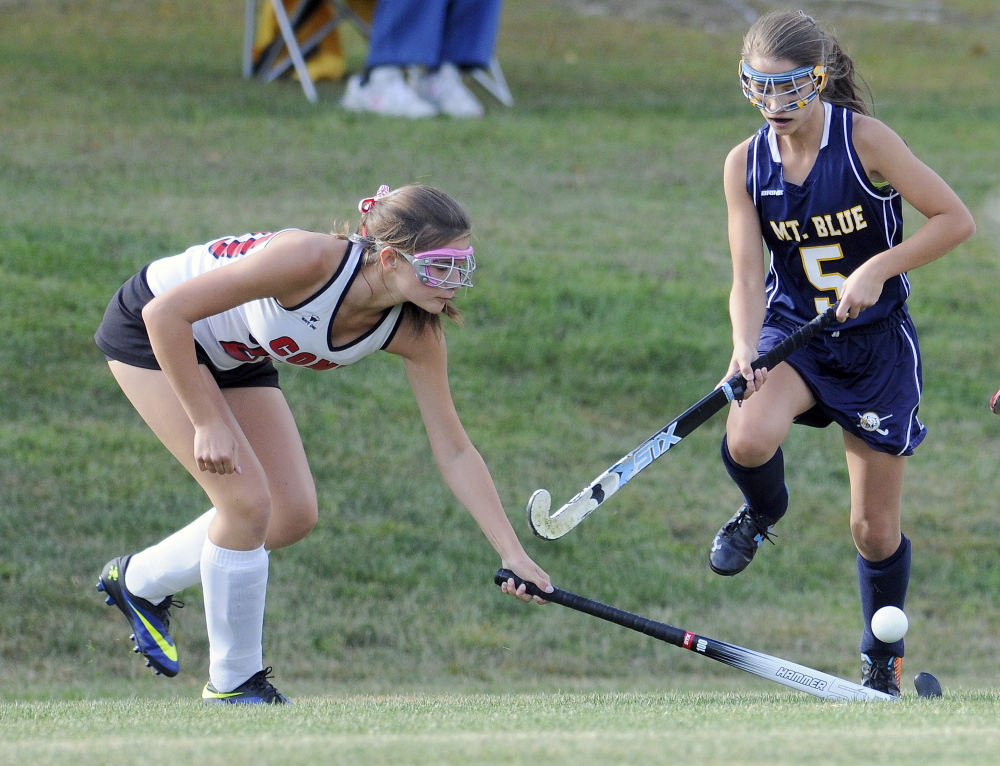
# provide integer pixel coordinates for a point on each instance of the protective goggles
(444, 267)
(790, 90)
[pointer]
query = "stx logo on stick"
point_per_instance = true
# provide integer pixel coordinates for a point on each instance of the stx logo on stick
(655, 447)
(551, 526)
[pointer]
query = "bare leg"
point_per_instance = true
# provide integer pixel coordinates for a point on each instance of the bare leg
(268, 446)
(876, 496)
(268, 424)
(234, 563)
(174, 564)
(883, 551)
(757, 427)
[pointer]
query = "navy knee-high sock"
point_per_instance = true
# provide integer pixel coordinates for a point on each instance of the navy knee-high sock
(763, 487)
(883, 583)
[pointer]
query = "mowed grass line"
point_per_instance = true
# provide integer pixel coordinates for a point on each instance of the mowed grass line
(729, 728)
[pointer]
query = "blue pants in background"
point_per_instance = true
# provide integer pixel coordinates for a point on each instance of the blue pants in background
(432, 32)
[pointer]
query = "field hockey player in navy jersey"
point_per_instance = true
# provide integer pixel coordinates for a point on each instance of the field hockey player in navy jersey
(192, 340)
(822, 183)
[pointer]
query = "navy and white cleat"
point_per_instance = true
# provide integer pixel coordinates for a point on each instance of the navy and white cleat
(882, 673)
(736, 543)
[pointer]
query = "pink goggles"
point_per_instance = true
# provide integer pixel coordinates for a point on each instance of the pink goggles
(445, 267)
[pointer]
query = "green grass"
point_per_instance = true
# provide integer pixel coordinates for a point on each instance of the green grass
(623, 728)
(599, 314)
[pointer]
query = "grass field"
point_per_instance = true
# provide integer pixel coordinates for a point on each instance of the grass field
(599, 314)
(583, 729)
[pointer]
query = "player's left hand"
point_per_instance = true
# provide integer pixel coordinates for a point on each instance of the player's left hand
(858, 292)
(527, 570)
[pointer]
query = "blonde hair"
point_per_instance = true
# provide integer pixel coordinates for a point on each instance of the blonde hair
(413, 219)
(797, 37)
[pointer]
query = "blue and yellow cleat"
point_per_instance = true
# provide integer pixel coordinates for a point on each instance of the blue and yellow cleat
(256, 690)
(150, 623)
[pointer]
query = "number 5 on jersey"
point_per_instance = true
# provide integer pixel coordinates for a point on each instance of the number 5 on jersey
(813, 259)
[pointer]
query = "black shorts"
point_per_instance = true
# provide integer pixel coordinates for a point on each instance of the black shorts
(123, 338)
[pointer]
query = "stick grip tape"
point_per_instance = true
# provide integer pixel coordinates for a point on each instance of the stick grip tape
(785, 348)
(644, 625)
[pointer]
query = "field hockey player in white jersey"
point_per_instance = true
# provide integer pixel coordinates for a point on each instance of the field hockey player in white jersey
(822, 184)
(192, 340)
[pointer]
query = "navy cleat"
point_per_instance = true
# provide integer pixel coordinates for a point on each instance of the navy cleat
(256, 690)
(736, 543)
(150, 623)
(882, 673)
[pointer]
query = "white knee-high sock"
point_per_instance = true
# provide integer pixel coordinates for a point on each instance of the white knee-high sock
(171, 565)
(235, 584)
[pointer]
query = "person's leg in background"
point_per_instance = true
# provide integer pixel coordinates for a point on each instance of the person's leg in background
(404, 33)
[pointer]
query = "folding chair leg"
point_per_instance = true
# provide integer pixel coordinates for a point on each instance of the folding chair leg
(271, 73)
(249, 30)
(493, 80)
(293, 50)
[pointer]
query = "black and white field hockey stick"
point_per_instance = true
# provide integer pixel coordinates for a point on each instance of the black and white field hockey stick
(552, 527)
(780, 671)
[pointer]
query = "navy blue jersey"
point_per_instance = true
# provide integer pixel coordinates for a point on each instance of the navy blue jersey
(820, 232)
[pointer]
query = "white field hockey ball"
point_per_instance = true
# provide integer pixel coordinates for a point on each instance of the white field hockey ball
(889, 624)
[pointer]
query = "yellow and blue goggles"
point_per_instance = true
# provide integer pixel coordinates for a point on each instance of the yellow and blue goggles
(790, 90)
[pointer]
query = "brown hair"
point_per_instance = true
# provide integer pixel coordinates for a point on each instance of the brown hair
(413, 219)
(797, 37)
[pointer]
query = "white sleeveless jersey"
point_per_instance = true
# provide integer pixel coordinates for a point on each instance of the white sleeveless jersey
(261, 329)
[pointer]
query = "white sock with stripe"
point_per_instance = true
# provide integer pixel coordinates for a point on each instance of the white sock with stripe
(235, 585)
(171, 565)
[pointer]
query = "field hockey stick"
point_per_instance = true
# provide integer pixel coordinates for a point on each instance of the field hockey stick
(789, 674)
(552, 527)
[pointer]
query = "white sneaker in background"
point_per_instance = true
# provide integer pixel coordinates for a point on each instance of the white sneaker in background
(445, 89)
(385, 93)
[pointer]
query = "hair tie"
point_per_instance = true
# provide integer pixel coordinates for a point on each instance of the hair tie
(810, 19)
(369, 202)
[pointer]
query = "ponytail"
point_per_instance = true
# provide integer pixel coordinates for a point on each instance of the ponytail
(842, 89)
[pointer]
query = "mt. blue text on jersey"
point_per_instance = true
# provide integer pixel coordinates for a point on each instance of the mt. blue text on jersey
(819, 233)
